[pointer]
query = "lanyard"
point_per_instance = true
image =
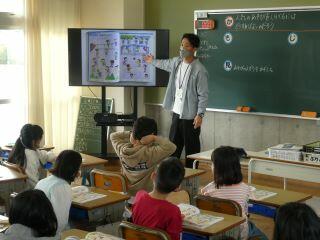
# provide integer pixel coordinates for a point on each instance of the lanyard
(184, 75)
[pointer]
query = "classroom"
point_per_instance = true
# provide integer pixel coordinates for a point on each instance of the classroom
(158, 119)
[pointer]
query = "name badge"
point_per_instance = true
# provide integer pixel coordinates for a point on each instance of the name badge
(179, 92)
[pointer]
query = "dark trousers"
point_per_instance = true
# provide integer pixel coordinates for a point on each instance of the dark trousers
(183, 134)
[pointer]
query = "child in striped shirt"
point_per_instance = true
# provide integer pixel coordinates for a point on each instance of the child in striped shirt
(228, 184)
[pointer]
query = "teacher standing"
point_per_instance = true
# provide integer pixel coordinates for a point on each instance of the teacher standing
(186, 95)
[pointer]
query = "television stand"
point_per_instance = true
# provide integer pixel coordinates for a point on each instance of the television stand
(118, 120)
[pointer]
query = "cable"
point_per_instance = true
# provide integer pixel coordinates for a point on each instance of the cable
(92, 93)
(131, 99)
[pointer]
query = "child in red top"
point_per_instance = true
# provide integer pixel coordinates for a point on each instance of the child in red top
(151, 209)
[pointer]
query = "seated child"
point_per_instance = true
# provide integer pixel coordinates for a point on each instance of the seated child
(31, 217)
(228, 184)
(295, 221)
(57, 186)
(27, 155)
(152, 209)
(140, 151)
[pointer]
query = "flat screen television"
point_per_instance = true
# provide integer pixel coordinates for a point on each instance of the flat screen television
(114, 57)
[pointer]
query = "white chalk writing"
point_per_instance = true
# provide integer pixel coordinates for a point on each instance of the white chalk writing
(253, 68)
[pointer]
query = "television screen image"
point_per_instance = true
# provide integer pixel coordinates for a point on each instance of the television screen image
(109, 57)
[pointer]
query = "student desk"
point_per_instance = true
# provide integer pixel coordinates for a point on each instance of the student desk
(259, 162)
(73, 232)
(10, 181)
(112, 205)
(282, 197)
(191, 181)
(227, 227)
(88, 163)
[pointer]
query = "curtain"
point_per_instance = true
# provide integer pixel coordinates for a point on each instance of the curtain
(51, 102)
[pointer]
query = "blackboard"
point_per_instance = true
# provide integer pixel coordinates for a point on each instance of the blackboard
(88, 135)
(268, 59)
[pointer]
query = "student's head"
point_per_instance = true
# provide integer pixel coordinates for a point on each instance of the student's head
(295, 221)
(190, 42)
(168, 175)
(30, 138)
(144, 126)
(67, 165)
(33, 209)
(226, 166)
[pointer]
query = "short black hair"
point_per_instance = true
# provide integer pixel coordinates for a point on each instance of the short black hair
(169, 175)
(295, 221)
(67, 165)
(33, 209)
(227, 169)
(144, 126)
(193, 39)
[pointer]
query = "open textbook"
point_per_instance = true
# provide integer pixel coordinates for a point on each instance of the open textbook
(194, 218)
(259, 194)
(94, 236)
(82, 194)
(100, 236)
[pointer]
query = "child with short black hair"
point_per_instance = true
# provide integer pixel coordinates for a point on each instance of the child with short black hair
(140, 151)
(228, 184)
(295, 221)
(27, 155)
(31, 217)
(57, 186)
(152, 209)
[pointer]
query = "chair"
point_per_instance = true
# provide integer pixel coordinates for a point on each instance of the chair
(219, 205)
(178, 197)
(130, 231)
(108, 180)
(14, 167)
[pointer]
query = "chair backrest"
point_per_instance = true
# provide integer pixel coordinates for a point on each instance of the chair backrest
(181, 196)
(130, 231)
(13, 166)
(108, 180)
(218, 205)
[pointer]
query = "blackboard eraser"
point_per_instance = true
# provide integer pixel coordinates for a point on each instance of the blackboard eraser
(308, 114)
(243, 109)
(246, 109)
(239, 108)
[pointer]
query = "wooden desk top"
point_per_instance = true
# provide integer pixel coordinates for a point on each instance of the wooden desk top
(226, 224)
(206, 155)
(73, 232)
(282, 197)
(89, 161)
(9, 175)
(110, 198)
(9, 148)
(193, 172)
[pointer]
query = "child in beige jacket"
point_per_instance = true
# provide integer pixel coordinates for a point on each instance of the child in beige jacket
(140, 151)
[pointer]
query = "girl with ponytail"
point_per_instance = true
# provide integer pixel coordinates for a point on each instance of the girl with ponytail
(27, 155)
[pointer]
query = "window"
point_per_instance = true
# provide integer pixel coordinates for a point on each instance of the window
(13, 90)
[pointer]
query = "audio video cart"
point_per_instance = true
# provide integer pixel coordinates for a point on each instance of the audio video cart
(122, 120)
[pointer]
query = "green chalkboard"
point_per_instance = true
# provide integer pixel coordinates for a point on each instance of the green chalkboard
(268, 59)
(88, 135)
